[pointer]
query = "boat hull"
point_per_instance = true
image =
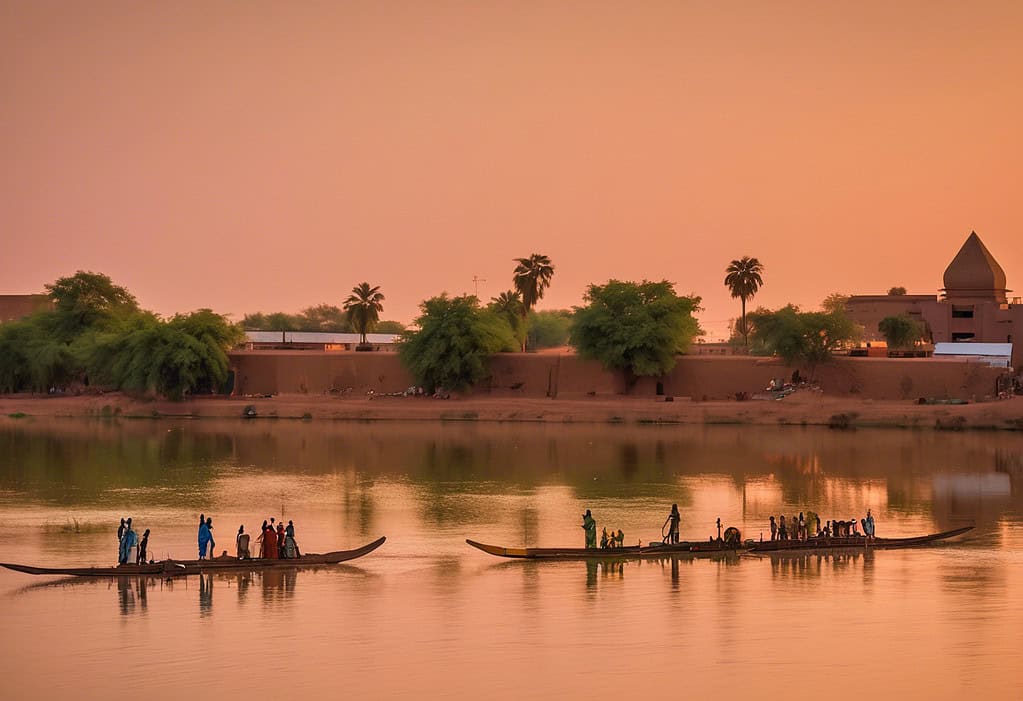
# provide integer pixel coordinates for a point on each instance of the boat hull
(176, 568)
(685, 549)
(853, 543)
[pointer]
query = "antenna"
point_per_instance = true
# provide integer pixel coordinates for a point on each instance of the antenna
(476, 280)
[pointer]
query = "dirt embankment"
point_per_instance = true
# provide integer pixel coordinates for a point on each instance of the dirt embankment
(809, 409)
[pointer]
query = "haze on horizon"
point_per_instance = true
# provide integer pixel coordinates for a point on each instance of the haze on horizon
(268, 156)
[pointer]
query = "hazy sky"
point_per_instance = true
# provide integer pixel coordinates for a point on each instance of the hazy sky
(269, 155)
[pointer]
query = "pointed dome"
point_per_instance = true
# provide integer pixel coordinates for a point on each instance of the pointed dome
(974, 273)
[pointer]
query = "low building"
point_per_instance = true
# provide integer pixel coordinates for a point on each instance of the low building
(14, 307)
(974, 306)
(307, 340)
(997, 355)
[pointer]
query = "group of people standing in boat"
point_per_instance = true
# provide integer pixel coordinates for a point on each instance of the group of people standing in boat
(276, 541)
(805, 527)
(130, 549)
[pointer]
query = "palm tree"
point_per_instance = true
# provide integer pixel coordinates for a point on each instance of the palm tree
(532, 276)
(508, 305)
(743, 280)
(363, 308)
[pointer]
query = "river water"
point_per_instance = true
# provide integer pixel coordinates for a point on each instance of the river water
(426, 616)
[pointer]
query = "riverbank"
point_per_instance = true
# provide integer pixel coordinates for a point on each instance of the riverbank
(800, 409)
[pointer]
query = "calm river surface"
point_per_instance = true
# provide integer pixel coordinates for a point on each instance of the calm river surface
(426, 616)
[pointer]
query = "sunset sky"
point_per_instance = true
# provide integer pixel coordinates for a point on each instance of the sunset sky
(268, 156)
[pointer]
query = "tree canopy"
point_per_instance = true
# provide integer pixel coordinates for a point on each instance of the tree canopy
(453, 340)
(548, 329)
(508, 305)
(637, 328)
(897, 291)
(97, 334)
(801, 337)
(900, 331)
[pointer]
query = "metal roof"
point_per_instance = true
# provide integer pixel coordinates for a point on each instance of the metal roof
(998, 350)
(314, 337)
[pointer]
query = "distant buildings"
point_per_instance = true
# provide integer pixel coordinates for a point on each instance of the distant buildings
(304, 340)
(14, 307)
(974, 305)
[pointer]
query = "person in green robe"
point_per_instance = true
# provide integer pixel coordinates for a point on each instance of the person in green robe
(590, 526)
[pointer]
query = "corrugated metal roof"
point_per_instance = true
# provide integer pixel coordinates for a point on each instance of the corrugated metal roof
(314, 337)
(999, 350)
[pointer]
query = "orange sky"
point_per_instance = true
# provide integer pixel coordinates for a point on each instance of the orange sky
(268, 156)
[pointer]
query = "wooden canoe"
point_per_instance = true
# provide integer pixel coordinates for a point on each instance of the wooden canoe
(558, 553)
(173, 568)
(687, 549)
(860, 542)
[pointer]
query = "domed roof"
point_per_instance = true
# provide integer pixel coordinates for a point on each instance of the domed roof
(974, 272)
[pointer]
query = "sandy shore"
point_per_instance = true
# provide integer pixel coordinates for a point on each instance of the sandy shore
(798, 409)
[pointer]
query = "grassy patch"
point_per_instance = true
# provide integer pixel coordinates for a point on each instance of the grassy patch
(17, 415)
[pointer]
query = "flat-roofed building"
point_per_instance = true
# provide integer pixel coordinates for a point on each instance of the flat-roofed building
(308, 340)
(14, 307)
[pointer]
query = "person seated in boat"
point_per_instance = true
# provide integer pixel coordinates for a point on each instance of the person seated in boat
(290, 544)
(590, 528)
(783, 531)
(242, 544)
(603, 539)
(619, 539)
(774, 529)
(140, 559)
(868, 526)
(672, 522)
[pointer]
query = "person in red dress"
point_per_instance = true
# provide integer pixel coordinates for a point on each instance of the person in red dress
(270, 543)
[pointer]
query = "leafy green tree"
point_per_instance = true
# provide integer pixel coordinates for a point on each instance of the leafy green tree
(548, 329)
(835, 303)
(508, 305)
(802, 337)
(279, 321)
(531, 279)
(85, 300)
(255, 322)
(897, 291)
(637, 328)
(388, 326)
(324, 318)
(452, 342)
(900, 331)
(743, 279)
(363, 307)
(32, 357)
(185, 355)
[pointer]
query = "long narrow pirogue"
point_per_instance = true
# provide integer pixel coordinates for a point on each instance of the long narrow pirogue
(849, 542)
(173, 568)
(632, 551)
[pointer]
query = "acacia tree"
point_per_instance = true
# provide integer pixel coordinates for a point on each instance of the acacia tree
(531, 278)
(802, 337)
(452, 341)
(900, 331)
(897, 291)
(743, 279)
(363, 307)
(86, 300)
(637, 328)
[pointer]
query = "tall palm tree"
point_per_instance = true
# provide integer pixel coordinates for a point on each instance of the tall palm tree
(743, 280)
(363, 308)
(532, 276)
